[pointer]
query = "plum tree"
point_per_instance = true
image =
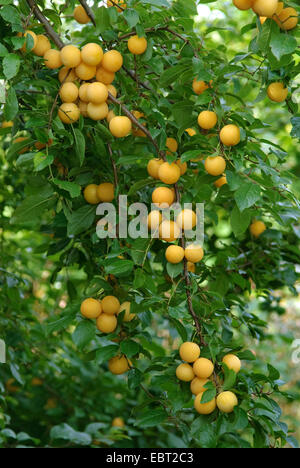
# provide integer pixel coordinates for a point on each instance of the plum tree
(128, 104)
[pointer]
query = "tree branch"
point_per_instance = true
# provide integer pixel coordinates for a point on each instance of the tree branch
(133, 76)
(88, 11)
(188, 285)
(50, 31)
(137, 124)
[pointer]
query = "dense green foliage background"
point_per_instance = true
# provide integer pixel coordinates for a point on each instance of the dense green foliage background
(244, 291)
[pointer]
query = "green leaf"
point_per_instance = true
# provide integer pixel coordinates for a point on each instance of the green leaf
(140, 185)
(118, 267)
(3, 50)
(66, 432)
(102, 19)
(282, 44)
(71, 187)
(179, 327)
(42, 160)
(131, 16)
(151, 417)
(247, 195)
(31, 210)
(295, 121)
(240, 221)
(174, 270)
(81, 219)
(106, 353)
(11, 107)
(84, 333)
(134, 378)
(209, 394)
(11, 65)
(11, 15)
(230, 378)
(129, 348)
(79, 145)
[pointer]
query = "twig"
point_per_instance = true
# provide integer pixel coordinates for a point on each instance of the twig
(188, 285)
(137, 124)
(133, 76)
(50, 31)
(116, 5)
(88, 11)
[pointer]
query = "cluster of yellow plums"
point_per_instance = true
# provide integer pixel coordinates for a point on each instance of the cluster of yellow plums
(105, 312)
(286, 18)
(198, 371)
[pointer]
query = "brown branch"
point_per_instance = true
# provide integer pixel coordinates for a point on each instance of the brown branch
(136, 123)
(88, 11)
(161, 28)
(187, 280)
(49, 30)
(117, 5)
(113, 163)
(133, 76)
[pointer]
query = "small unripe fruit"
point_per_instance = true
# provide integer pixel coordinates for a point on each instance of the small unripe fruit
(112, 90)
(288, 19)
(80, 15)
(91, 308)
(215, 165)
(243, 4)
(90, 194)
(194, 253)
(137, 45)
(106, 192)
(118, 422)
(163, 197)
(70, 56)
(7, 124)
(120, 126)
(185, 372)
(42, 45)
(97, 111)
(191, 267)
(203, 368)
(265, 7)
(204, 408)
(69, 113)
(68, 92)
(33, 42)
(169, 231)
(174, 254)
(91, 54)
(172, 144)
(197, 385)
(153, 167)
(277, 92)
(230, 135)
(112, 61)
(67, 75)
(110, 305)
(118, 365)
(182, 166)
(154, 220)
(220, 182)
(85, 72)
(97, 93)
(207, 119)
(257, 228)
(106, 323)
(232, 362)
(189, 351)
(169, 173)
(226, 402)
(83, 108)
(104, 76)
(128, 317)
(186, 220)
(83, 92)
(191, 131)
(52, 59)
(199, 86)
(110, 115)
